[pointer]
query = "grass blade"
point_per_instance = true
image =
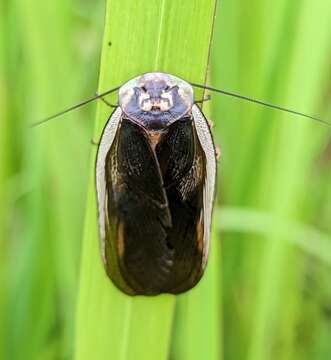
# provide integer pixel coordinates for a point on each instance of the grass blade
(110, 324)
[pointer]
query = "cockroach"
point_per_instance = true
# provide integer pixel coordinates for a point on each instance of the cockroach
(155, 184)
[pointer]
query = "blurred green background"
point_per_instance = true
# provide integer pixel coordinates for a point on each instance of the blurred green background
(268, 291)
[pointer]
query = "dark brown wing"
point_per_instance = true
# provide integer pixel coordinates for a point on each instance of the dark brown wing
(138, 214)
(182, 163)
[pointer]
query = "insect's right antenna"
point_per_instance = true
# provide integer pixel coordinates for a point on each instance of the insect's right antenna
(82, 103)
(260, 102)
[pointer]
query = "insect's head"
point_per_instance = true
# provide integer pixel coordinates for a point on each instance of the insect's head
(156, 100)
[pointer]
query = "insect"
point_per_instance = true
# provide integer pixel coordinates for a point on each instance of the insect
(155, 177)
(155, 184)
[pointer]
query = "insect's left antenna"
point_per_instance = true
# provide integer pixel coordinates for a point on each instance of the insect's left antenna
(82, 103)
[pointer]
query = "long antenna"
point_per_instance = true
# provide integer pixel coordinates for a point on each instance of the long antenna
(224, 92)
(84, 102)
(260, 102)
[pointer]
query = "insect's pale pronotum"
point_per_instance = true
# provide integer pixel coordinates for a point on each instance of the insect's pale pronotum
(155, 184)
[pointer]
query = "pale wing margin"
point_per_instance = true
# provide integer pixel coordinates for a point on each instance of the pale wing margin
(106, 141)
(207, 144)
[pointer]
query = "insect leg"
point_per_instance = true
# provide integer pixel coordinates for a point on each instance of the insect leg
(94, 142)
(106, 102)
(201, 101)
(210, 123)
(217, 152)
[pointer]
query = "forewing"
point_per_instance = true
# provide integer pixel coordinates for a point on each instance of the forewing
(133, 210)
(207, 144)
(138, 208)
(183, 165)
(106, 141)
